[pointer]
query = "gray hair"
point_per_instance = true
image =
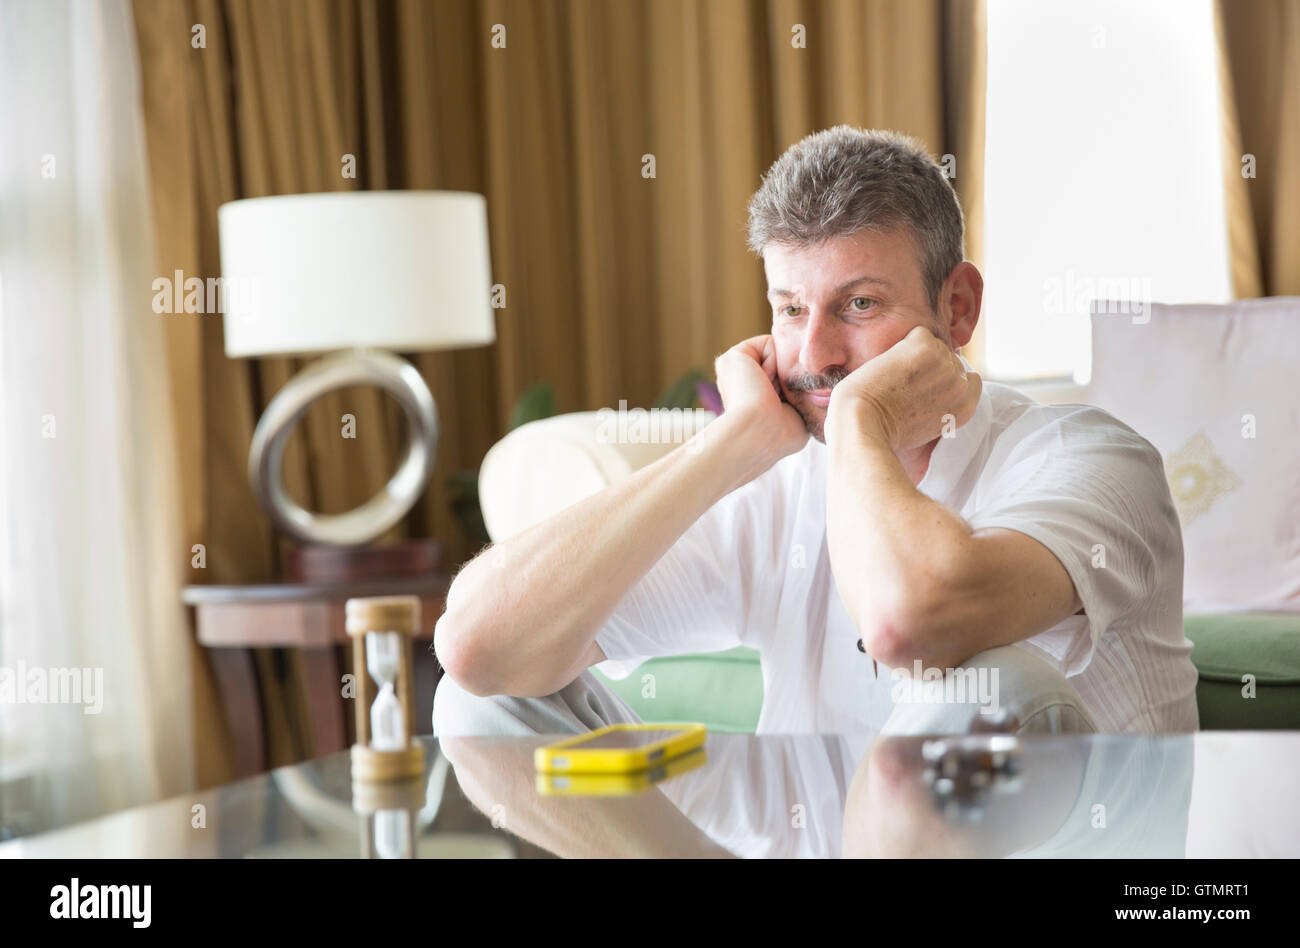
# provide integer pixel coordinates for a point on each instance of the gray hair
(843, 180)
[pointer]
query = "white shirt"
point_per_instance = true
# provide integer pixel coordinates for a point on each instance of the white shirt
(754, 570)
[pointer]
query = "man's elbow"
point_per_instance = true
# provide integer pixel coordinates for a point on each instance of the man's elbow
(899, 636)
(888, 642)
(461, 656)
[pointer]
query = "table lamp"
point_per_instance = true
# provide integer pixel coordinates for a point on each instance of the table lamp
(359, 275)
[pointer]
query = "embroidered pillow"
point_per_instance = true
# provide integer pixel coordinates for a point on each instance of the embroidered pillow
(1216, 389)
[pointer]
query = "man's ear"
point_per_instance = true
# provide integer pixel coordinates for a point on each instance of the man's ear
(959, 302)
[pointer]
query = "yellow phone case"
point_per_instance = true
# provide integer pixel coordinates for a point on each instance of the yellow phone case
(618, 785)
(568, 756)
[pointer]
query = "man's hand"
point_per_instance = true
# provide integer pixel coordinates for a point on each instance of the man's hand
(902, 396)
(747, 382)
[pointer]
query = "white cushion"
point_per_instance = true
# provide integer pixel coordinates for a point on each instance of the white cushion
(1214, 388)
(544, 466)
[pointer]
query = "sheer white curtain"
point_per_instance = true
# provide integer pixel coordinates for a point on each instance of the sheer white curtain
(90, 549)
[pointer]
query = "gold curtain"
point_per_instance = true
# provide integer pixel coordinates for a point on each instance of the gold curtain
(616, 281)
(1259, 69)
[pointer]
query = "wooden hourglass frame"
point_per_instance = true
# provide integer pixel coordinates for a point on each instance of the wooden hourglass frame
(378, 615)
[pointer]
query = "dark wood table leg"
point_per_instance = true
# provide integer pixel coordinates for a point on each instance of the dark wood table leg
(324, 685)
(241, 704)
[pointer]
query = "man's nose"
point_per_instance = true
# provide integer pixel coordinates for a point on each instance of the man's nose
(824, 343)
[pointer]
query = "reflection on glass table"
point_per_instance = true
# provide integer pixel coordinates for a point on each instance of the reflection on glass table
(987, 795)
(1208, 794)
(308, 810)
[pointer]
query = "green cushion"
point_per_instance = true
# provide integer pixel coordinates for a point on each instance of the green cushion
(722, 690)
(1230, 645)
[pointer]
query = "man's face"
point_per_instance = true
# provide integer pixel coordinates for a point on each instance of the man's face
(837, 305)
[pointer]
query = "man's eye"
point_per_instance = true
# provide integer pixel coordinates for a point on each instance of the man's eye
(861, 304)
(790, 310)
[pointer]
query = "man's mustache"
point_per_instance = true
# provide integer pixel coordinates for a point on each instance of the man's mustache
(813, 383)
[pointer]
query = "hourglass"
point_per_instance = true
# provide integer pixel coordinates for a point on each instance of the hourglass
(381, 629)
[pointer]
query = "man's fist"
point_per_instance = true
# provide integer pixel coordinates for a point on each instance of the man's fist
(905, 394)
(748, 386)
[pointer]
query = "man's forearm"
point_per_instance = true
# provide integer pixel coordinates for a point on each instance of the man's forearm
(894, 552)
(918, 581)
(522, 617)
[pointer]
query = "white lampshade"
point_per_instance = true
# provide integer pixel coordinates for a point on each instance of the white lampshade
(406, 271)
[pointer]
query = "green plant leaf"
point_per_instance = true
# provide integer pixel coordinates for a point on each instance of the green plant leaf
(463, 482)
(536, 403)
(682, 393)
(470, 517)
(463, 486)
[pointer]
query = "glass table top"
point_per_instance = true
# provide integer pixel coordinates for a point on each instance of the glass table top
(1211, 794)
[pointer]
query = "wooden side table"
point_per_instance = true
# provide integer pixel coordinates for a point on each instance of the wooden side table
(230, 620)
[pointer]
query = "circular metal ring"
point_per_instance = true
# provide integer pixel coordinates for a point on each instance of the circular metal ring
(359, 526)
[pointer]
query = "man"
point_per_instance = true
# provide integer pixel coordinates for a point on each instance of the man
(930, 524)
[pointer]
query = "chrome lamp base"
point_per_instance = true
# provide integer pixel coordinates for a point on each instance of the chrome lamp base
(363, 524)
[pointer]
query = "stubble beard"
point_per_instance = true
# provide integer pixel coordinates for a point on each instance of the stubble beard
(816, 425)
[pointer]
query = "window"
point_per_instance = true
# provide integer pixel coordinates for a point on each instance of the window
(1103, 172)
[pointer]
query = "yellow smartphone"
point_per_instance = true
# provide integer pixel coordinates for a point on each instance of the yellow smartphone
(619, 748)
(618, 785)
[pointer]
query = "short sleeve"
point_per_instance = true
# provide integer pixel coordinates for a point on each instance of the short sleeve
(700, 596)
(1094, 493)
